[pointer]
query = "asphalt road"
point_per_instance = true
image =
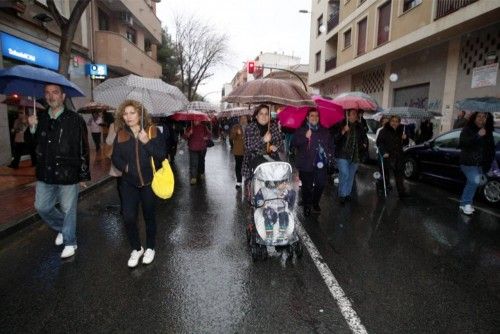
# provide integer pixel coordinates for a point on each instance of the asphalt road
(406, 266)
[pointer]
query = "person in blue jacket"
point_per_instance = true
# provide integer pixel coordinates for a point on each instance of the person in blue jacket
(314, 147)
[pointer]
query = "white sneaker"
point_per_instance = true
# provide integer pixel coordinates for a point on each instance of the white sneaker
(467, 209)
(59, 239)
(134, 257)
(68, 251)
(149, 256)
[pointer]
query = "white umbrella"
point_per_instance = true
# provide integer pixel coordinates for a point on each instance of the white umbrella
(235, 112)
(158, 97)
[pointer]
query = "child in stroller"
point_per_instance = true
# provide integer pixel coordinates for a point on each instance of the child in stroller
(273, 201)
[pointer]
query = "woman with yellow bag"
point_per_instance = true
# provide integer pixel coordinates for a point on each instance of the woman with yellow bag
(133, 149)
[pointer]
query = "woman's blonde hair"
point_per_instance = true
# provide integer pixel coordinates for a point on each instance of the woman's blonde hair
(120, 123)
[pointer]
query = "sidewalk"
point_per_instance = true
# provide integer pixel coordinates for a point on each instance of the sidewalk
(17, 191)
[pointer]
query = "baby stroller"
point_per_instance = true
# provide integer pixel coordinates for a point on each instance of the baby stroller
(272, 198)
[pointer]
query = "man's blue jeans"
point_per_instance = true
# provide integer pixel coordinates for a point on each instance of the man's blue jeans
(347, 171)
(62, 220)
(473, 175)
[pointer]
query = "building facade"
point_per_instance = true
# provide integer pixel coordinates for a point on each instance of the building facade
(422, 53)
(123, 35)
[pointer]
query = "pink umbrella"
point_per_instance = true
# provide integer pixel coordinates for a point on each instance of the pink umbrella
(352, 101)
(329, 113)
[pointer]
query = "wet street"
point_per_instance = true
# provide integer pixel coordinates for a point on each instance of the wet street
(407, 266)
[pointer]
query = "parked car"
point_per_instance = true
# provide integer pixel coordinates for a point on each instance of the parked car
(439, 158)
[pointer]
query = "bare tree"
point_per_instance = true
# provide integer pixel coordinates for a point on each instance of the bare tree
(68, 28)
(198, 49)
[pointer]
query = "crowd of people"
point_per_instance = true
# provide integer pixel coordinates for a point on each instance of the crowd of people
(62, 159)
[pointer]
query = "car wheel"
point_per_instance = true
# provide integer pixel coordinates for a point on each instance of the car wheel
(491, 191)
(410, 168)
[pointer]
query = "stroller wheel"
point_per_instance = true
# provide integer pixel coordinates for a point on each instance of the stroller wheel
(299, 250)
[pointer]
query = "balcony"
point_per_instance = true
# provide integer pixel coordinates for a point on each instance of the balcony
(333, 21)
(446, 7)
(330, 63)
(123, 56)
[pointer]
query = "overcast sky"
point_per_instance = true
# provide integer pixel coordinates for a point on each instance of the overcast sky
(252, 26)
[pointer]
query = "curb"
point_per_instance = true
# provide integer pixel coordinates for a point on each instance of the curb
(10, 228)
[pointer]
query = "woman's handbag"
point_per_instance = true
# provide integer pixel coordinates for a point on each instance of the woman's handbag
(163, 179)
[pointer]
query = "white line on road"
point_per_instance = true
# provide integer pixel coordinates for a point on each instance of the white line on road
(331, 282)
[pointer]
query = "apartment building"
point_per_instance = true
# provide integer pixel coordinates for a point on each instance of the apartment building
(422, 53)
(121, 35)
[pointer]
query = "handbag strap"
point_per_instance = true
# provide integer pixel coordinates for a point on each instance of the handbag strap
(152, 161)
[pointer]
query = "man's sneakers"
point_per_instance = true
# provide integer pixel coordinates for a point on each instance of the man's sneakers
(466, 209)
(149, 256)
(59, 239)
(68, 251)
(134, 257)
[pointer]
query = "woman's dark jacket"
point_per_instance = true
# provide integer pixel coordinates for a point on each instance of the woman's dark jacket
(308, 149)
(476, 150)
(62, 148)
(255, 146)
(129, 151)
(390, 141)
(342, 148)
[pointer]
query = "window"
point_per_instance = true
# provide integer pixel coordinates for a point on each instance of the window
(147, 45)
(362, 36)
(319, 25)
(384, 21)
(347, 39)
(409, 4)
(449, 140)
(103, 19)
(131, 35)
(317, 64)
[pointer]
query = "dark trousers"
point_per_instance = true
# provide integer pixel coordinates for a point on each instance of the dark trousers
(19, 150)
(394, 166)
(197, 163)
(96, 136)
(131, 197)
(238, 162)
(313, 184)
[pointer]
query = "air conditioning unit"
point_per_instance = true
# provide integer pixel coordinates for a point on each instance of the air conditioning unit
(127, 18)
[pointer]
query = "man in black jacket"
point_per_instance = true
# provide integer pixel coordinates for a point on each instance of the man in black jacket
(63, 162)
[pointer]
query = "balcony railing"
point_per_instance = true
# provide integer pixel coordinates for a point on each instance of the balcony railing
(446, 7)
(333, 21)
(330, 63)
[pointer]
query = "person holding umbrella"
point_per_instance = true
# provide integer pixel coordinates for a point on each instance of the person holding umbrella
(62, 163)
(262, 137)
(137, 141)
(197, 136)
(390, 143)
(351, 143)
(314, 147)
(477, 153)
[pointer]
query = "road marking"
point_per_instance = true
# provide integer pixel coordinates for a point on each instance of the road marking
(331, 282)
(478, 208)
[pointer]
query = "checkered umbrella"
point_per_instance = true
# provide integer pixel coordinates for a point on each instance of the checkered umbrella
(235, 112)
(158, 97)
(410, 113)
(481, 104)
(203, 106)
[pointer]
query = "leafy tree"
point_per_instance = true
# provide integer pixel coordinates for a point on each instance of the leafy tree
(166, 57)
(68, 28)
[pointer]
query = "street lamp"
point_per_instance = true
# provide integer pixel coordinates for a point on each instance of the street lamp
(321, 28)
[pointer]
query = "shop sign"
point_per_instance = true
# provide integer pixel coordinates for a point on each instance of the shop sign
(97, 71)
(27, 52)
(484, 76)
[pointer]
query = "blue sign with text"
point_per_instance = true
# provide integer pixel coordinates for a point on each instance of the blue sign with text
(30, 53)
(97, 71)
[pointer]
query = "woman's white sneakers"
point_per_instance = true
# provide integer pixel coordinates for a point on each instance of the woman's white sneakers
(148, 257)
(134, 257)
(466, 209)
(68, 251)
